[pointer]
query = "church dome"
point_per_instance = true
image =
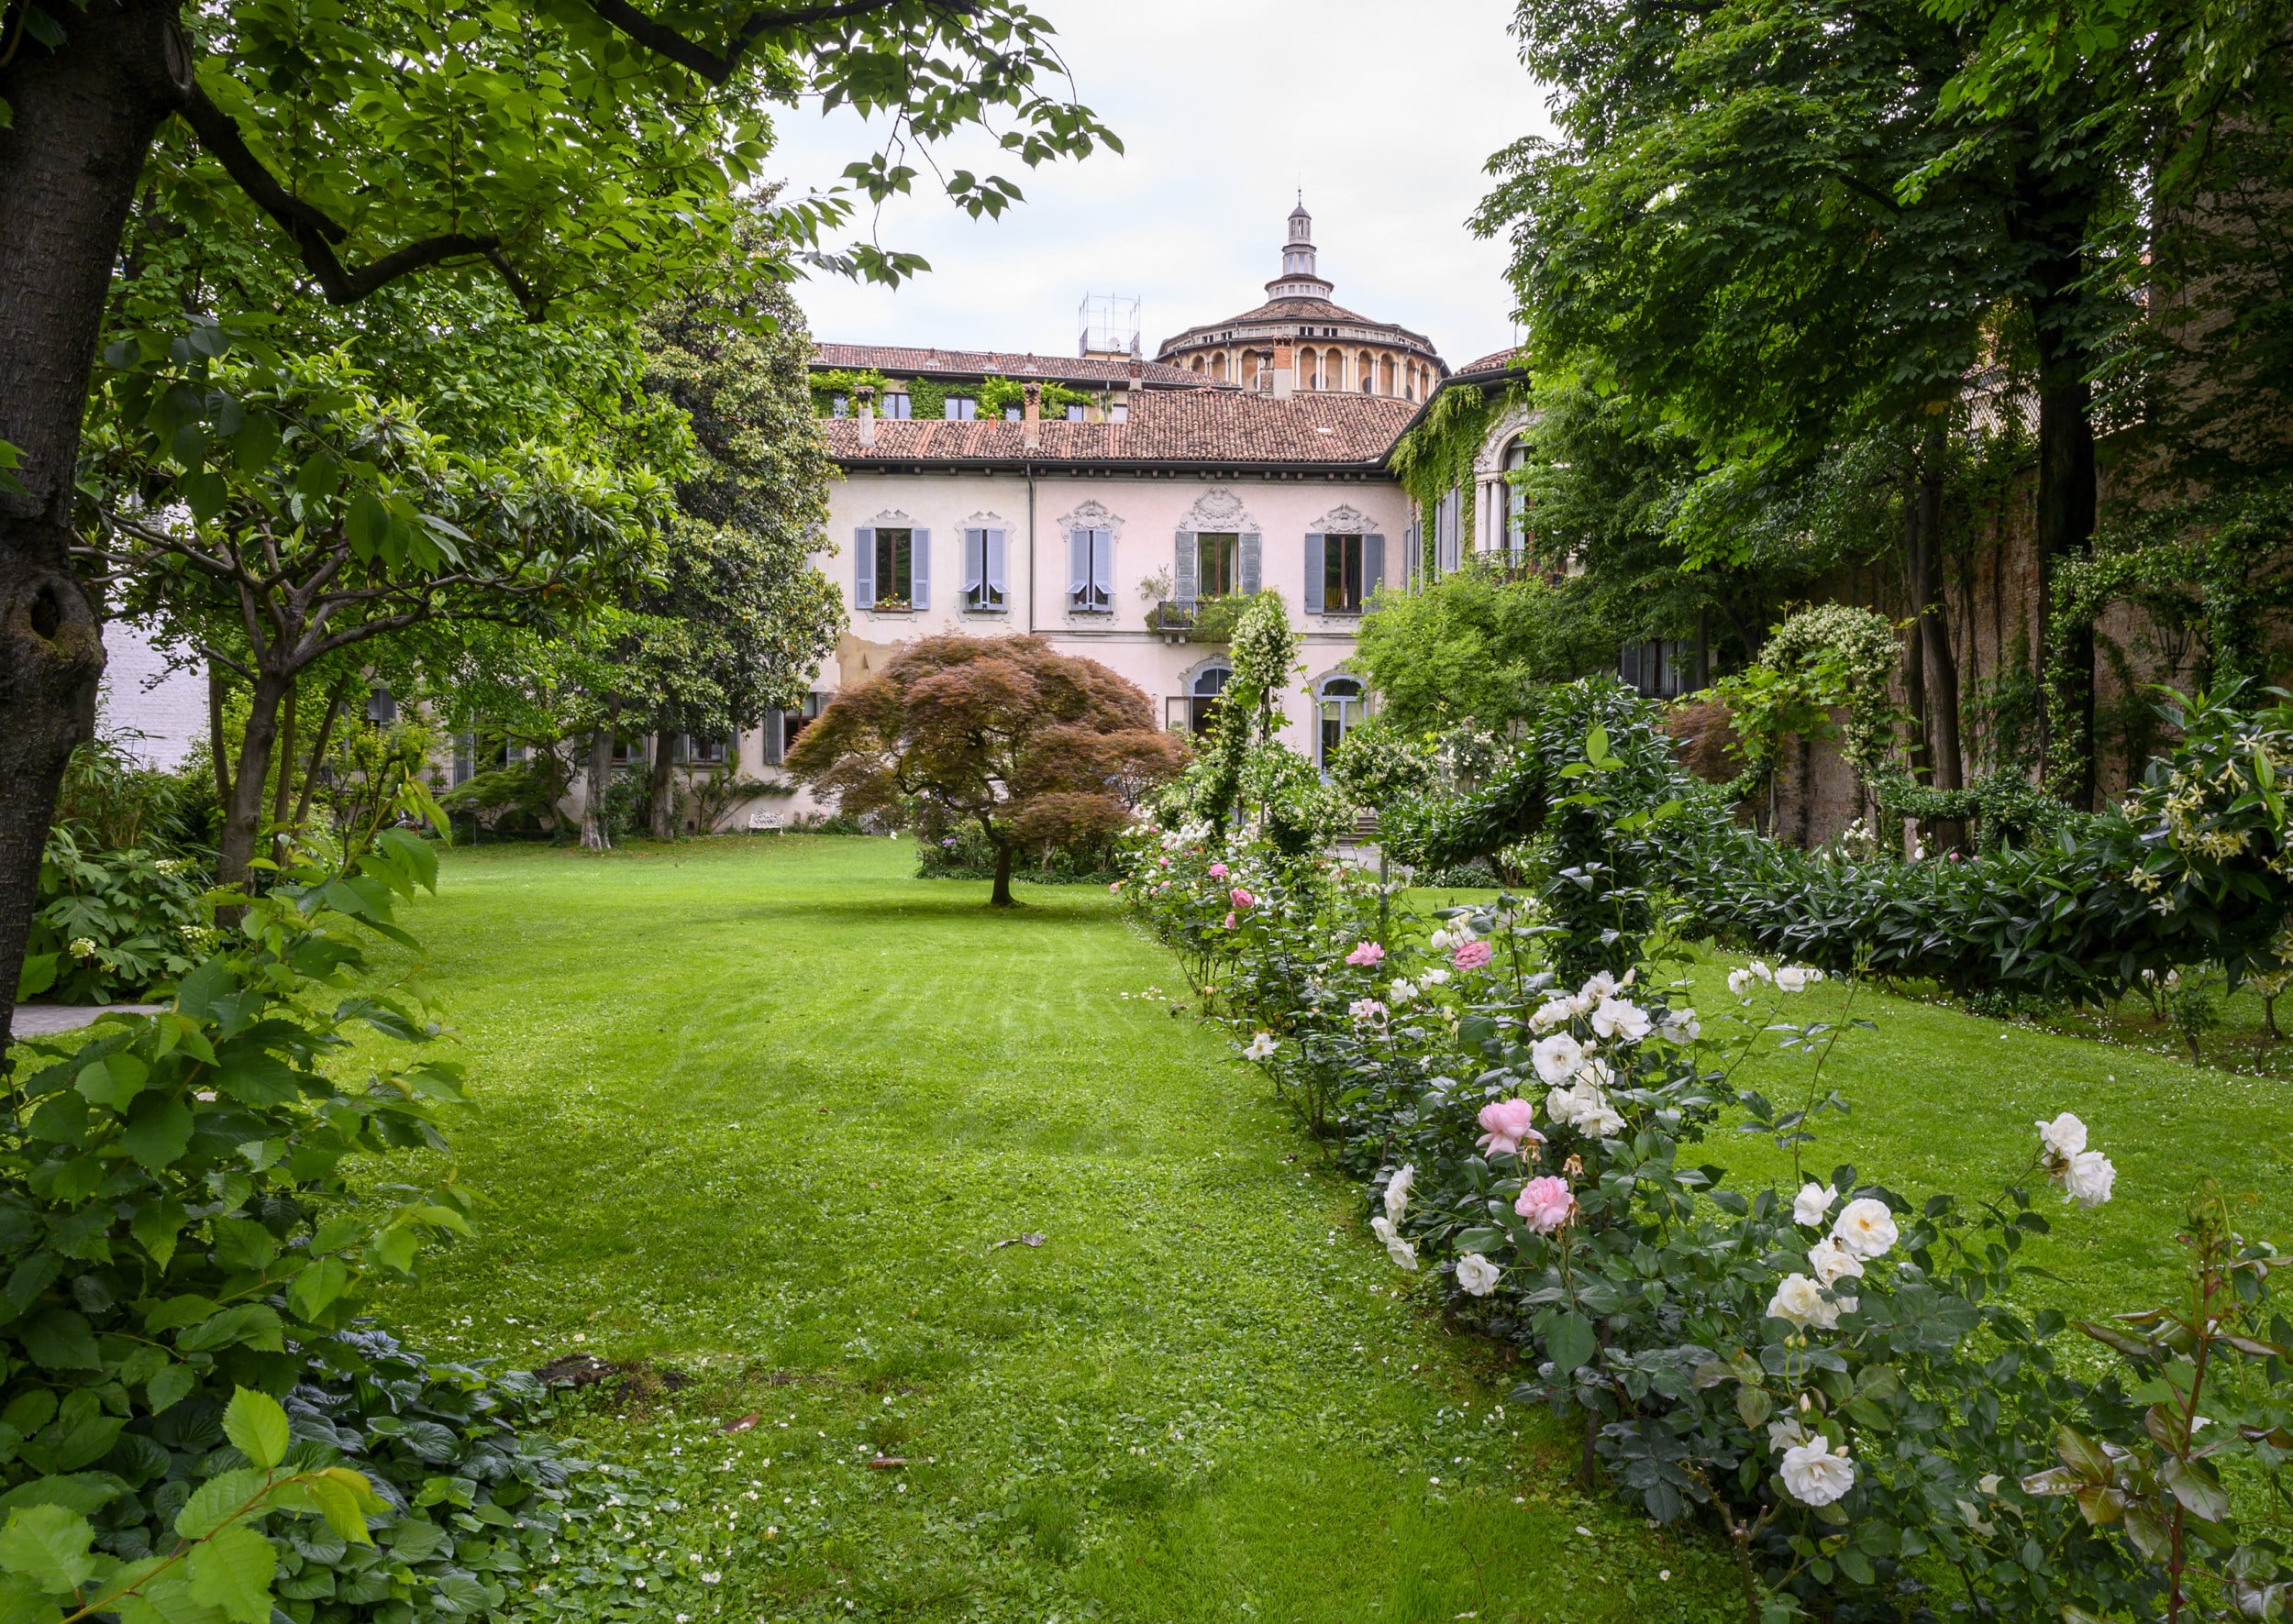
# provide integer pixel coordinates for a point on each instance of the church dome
(1301, 340)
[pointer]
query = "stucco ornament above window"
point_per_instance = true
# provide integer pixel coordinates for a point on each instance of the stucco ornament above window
(1344, 519)
(1092, 516)
(1218, 509)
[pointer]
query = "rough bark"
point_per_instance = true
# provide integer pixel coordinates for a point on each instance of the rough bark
(287, 743)
(1934, 635)
(593, 836)
(664, 786)
(83, 114)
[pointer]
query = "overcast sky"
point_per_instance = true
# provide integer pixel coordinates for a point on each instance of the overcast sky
(1384, 114)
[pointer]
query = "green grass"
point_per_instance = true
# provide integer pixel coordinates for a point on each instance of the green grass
(756, 1112)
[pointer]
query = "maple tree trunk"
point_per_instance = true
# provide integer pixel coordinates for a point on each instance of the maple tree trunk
(1001, 896)
(242, 813)
(83, 118)
(593, 836)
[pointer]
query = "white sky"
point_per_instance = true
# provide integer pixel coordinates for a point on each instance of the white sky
(1383, 113)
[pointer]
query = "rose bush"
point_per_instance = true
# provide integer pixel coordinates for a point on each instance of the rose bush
(1840, 1383)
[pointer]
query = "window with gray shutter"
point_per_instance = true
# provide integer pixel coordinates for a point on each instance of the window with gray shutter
(1091, 571)
(1372, 567)
(983, 571)
(1250, 562)
(920, 570)
(998, 587)
(1313, 574)
(1182, 570)
(864, 568)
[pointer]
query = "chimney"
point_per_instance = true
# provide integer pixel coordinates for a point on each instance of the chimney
(866, 394)
(1031, 425)
(1284, 374)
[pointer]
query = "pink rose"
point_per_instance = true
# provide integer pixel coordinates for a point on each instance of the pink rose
(1242, 899)
(1162, 862)
(1546, 1203)
(1368, 954)
(1473, 955)
(1115, 890)
(1230, 922)
(1218, 871)
(1508, 1124)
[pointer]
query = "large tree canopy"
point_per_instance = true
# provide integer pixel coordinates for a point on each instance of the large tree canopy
(580, 154)
(1029, 744)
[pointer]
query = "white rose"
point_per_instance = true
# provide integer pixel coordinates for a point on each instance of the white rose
(1557, 1057)
(1584, 1107)
(1791, 979)
(1816, 1476)
(2088, 1179)
(1400, 993)
(1396, 1191)
(2063, 1138)
(1602, 985)
(1800, 1300)
(1436, 975)
(1618, 1019)
(1812, 1201)
(1681, 1026)
(1477, 1274)
(1740, 982)
(1758, 967)
(1549, 1015)
(1262, 1047)
(1832, 1262)
(1403, 1255)
(1787, 1433)
(1560, 1105)
(1865, 1227)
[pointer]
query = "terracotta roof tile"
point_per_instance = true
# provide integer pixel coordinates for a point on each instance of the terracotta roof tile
(1502, 360)
(1179, 425)
(905, 362)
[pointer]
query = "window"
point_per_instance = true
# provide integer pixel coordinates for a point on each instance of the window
(1516, 537)
(381, 706)
(895, 405)
(1659, 667)
(704, 752)
(1341, 575)
(465, 757)
(1119, 412)
(895, 569)
(960, 408)
(1202, 700)
(983, 572)
(1343, 708)
(781, 728)
(1217, 561)
(1012, 415)
(839, 406)
(1074, 414)
(1091, 572)
(629, 751)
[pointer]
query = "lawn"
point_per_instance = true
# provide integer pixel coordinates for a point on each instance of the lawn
(754, 1115)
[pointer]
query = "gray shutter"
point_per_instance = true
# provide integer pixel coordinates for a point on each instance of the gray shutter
(998, 594)
(1372, 567)
(1249, 572)
(1314, 568)
(1184, 573)
(974, 569)
(919, 569)
(775, 730)
(1078, 568)
(1102, 566)
(864, 568)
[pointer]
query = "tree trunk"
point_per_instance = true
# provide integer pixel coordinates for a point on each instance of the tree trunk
(318, 751)
(1938, 666)
(218, 694)
(664, 786)
(2066, 526)
(1001, 896)
(593, 836)
(242, 813)
(279, 839)
(83, 118)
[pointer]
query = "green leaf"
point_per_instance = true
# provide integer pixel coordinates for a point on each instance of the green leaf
(233, 1571)
(2195, 1486)
(158, 1131)
(217, 1501)
(255, 1422)
(318, 1285)
(1570, 1342)
(170, 1386)
(84, 1492)
(47, 1545)
(253, 1325)
(157, 1227)
(60, 1340)
(38, 975)
(206, 494)
(1752, 1403)
(368, 527)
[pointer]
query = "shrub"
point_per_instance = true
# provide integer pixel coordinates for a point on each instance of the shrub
(111, 925)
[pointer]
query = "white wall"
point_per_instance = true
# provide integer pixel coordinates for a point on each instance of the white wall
(142, 696)
(1146, 515)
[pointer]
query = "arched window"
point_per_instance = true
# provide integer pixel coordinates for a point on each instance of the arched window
(1202, 699)
(1516, 499)
(1307, 361)
(1343, 708)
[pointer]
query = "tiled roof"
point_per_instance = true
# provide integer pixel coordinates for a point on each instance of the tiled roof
(1226, 426)
(1504, 361)
(903, 361)
(1306, 311)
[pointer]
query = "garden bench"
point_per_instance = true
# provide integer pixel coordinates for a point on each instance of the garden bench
(764, 820)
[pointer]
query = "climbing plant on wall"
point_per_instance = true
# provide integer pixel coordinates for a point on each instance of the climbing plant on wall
(1439, 452)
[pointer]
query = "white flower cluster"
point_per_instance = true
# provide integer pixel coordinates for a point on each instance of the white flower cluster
(83, 948)
(1789, 978)
(2086, 1175)
(1454, 935)
(1191, 835)
(1367, 1012)
(1261, 1047)
(1864, 1229)
(1386, 1226)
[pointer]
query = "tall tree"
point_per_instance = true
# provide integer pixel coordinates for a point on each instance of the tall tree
(1007, 733)
(582, 150)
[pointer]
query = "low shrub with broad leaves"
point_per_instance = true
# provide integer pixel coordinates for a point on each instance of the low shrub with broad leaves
(1837, 1380)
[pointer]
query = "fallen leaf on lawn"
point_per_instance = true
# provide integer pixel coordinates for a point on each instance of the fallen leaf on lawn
(745, 1422)
(1017, 1240)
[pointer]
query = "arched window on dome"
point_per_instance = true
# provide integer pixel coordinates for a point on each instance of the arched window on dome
(1365, 369)
(1307, 363)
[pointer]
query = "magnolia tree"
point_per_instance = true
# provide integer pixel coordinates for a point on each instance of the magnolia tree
(1033, 746)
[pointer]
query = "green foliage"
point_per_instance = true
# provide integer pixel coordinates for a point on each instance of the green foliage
(118, 801)
(1477, 643)
(1377, 765)
(2005, 808)
(111, 925)
(927, 397)
(1439, 452)
(1264, 661)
